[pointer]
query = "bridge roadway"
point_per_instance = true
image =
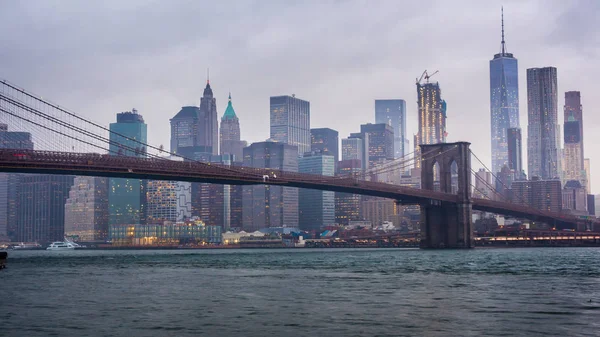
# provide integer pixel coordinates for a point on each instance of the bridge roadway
(92, 164)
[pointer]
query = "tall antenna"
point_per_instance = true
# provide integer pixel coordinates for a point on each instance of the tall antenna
(208, 74)
(503, 42)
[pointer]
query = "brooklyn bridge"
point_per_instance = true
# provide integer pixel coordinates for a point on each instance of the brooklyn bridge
(74, 145)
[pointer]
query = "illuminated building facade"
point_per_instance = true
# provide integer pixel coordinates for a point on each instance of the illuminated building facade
(348, 206)
(432, 117)
(504, 103)
(127, 197)
(317, 208)
(542, 135)
(393, 112)
(86, 209)
(356, 147)
(290, 122)
(381, 142)
(270, 206)
(325, 141)
(193, 232)
(545, 195)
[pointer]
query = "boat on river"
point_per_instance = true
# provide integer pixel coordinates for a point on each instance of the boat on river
(61, 245)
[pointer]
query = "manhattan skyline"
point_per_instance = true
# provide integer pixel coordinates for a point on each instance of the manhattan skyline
(114, 62)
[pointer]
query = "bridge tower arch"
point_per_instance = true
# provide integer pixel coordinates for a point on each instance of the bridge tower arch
(447, 225)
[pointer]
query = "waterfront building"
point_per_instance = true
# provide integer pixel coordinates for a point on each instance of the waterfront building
(432, 117)
(325, 141)
(86, 209)
(8, 182)
(504, 104)
(41, 207)
(317, 208)
(191, 232)
(542, 140)
(127, 197)
(393, 113)
(381, 142)
(290, 122)
(270, 206)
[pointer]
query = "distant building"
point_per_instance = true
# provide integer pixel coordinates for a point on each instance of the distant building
(588, 179)
(317, 208)
(574, 168)
(515, 155)
(41, 207)
(348, 206)
(127, 197)
(86, 209)
(574, 197)
(212, 202)
(356, 147)
(325, 141)
(290, 122)
(545, 195)
(193, 231)
(381, 142)
(231, 142)
(9, 182)
(378, 210)
(270, 206)
(504, 105)
(432, 117)
(591, 204)
(542, 135)
(209, 125)
(483, 185)
(393, 112)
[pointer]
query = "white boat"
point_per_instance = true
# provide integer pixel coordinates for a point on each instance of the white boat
(61, 245)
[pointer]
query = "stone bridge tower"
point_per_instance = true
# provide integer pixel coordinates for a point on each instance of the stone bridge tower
(447, 225)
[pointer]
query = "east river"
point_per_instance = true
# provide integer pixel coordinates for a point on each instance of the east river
(302, 292)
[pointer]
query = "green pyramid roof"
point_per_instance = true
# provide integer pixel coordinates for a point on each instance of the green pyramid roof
(229, 112)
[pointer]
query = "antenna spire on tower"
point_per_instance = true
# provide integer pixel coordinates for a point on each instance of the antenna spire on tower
(503, 42)
(207, 75)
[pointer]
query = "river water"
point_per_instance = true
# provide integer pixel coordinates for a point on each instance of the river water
(302, 292)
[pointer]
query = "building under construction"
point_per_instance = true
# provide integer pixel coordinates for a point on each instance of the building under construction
(432, 115)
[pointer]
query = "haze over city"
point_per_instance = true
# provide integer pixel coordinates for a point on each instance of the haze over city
(100, 59)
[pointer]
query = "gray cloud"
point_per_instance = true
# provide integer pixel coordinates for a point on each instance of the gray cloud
(105, 57)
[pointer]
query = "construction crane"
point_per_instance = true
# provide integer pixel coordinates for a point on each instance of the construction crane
(426, 76)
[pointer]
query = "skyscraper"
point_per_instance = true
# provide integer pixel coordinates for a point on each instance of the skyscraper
(290, 122)
(231, 142)
(573, 138)
(356, 147)
(542, 140)
(515, 148)
(432, 117)
(504, 102)
(381, 142)
(86, 209)
(325, 141)
(317, 208)
(270, 206)
(41, 207)
(393, 112)
(9, 181)
(127, 197)
(209, 126)
(348, 206)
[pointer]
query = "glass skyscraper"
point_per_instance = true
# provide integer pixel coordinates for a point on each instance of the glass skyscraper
(542, 113)
(127, 197)
(290, 122)
(504, 102)
(317, 208)
(393, 112)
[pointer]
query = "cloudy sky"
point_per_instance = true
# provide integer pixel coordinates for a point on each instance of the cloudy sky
(99, 58)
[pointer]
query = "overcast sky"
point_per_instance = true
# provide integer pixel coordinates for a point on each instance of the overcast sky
(99, 58)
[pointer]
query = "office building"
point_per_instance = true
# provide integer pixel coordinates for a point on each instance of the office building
(347, 205)
(591, 204)
(483, 185)
(544, 195)
(588, 179)
(317, 208)
(432, 117)
(574, 198)
(9, 182)
(356, 147)
(209, 125)
(231, 142)
(212, 202)
(127, 197)
(515, 155)
(504, 103)
(168, 200)
(290, 122)
(325, 141)
(86, 209)
(270, 206)
(381, 142)
(41, 207)
(393, 112)
(573, 138)
(378, 210)
(542, 140)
